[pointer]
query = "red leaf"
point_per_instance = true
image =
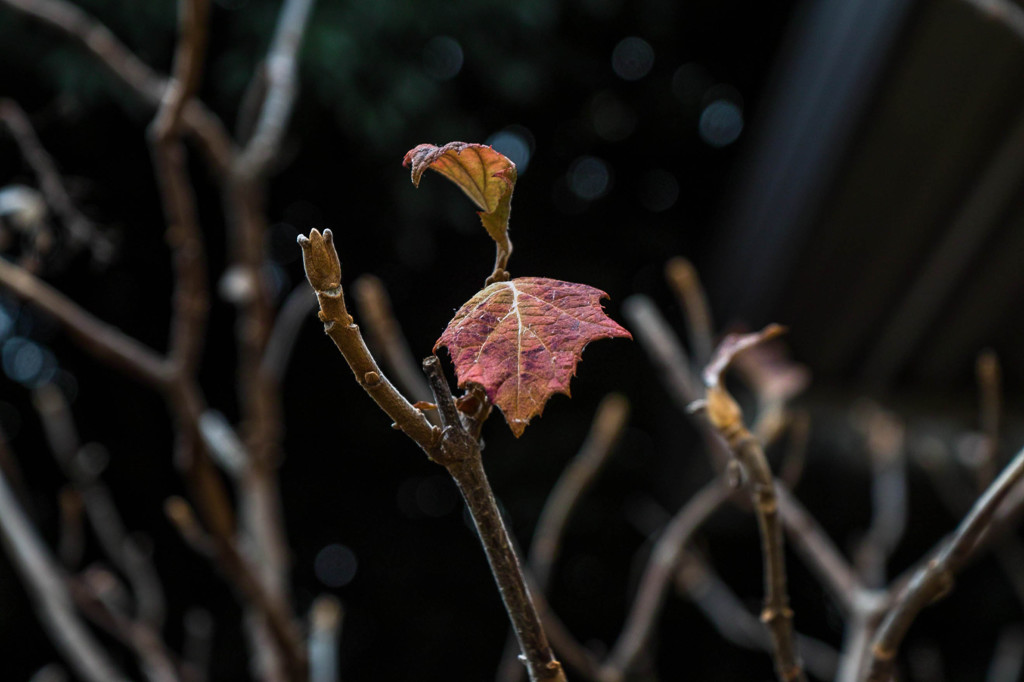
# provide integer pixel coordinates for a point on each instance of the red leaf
(487, 177)
(520, 341)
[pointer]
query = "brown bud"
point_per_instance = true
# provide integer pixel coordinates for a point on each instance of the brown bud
(323, 269)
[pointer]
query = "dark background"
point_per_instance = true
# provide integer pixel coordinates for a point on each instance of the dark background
(847, 168)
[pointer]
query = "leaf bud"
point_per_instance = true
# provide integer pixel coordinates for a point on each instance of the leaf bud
(323, 269)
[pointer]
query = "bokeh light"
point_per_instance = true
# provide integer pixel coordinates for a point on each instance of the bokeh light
(632, 58)
(721, 123)
(589, 178)
(442, 58)
(335, 565)
(515, 142)
(659, 190)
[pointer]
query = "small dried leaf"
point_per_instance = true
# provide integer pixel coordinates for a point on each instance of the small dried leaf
(731, 346)
(520, 341)
(484, 175)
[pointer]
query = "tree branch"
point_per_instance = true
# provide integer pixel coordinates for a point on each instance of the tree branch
(935, 578)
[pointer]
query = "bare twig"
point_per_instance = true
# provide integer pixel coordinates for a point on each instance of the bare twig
(935, 578)
(324, 629)
(107, 343)
(657, 577)
(819, 552)
(724, 414)
(605, 432)
(884, 437)
(459, 453)
(387, 339)
(734, 622)
(99, 505)
(281, 71)
(1005, 12)
(81, 231)
(130, 70)
(294, 311)
(323, 270)
(45, 581)
(685, 283)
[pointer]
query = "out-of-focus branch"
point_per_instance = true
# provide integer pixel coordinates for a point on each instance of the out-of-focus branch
(720, 605)
(130, 70)
(990, 405)
(294, 311)
(605, 432)
(99, 506)
(386, 337)
(81, 231)
(657, 577)
(324, 629)
(281, 67)
(1008, 659)
(685, 283)
(1005, 12)
(724, 414)
(884, 441)
(819, 552)
(46, 583)
(107, 343)
(935, 578)
(791, 468)
(195, 650)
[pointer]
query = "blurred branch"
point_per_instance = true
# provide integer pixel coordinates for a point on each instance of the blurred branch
(386, 338)
(281, 67)
(46, 583)
(130, 70)
(1008, 660)
(107, 343)
(81, 231)
(724, 414)
(99, 506)
(294, 311)
(195, 657)
(324, 629)
(685, 283)
(884, 435)
(605, 433)
(1005, 12)
(935, 578)
(720, 605)
(657, 577)
(990, 405)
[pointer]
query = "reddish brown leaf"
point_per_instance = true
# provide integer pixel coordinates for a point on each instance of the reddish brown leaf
(520, 341)
(486, 176)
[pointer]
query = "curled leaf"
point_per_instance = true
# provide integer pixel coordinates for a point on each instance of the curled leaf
(487, 177)
(520, 341)
(731, 346)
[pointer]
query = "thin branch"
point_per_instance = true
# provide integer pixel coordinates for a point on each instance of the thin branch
(281, 67)
(386, 337)
(459, 453)
(130, 70)
(195, 650)
(81, 231)
(1005, 12)
(720, 605)
(605, 433)
(324, 630)
(46, 583)
(935, 578)
(884, 438)
(294, 311)
(107, 343)
(724, 414)
(990, 407)
(99, 505)
(818, 551)
(685, 283)
(323, 270)
(657, 577)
